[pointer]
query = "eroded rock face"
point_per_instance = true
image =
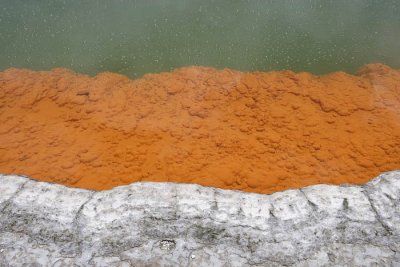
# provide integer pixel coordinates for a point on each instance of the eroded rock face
(165, 224)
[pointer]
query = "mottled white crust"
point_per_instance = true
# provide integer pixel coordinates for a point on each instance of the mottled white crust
(167, 224)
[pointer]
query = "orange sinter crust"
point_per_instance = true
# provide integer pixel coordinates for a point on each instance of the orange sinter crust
(259, 132)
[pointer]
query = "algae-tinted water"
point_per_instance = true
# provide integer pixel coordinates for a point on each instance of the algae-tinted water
(137, 37)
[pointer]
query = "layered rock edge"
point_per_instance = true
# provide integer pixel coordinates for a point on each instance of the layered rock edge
(167, 224)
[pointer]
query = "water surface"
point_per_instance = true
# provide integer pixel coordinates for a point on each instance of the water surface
(137, 37)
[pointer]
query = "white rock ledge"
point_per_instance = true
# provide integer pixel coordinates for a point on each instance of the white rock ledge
(166, 224)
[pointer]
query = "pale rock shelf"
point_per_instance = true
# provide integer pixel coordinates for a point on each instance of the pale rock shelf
(166, 224)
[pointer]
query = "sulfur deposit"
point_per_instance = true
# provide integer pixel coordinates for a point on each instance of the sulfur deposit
(258, 132)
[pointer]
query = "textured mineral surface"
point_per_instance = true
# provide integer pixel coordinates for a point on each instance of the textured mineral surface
(168, 224)
(257, 132)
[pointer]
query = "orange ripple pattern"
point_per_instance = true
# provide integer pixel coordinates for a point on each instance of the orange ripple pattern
(258, 132)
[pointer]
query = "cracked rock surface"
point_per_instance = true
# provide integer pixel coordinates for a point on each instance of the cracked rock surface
(166, 224)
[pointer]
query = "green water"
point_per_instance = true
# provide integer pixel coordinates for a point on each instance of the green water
(137, 37)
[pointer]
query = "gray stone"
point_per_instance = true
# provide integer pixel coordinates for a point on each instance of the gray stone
(167, 224)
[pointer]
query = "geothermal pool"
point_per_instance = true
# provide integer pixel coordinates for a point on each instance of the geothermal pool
(138, 37)
(256, 96)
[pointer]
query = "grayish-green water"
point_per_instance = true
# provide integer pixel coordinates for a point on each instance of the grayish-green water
(137, 37)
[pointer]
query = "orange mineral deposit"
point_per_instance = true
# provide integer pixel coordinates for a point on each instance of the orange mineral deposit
(257, 132)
